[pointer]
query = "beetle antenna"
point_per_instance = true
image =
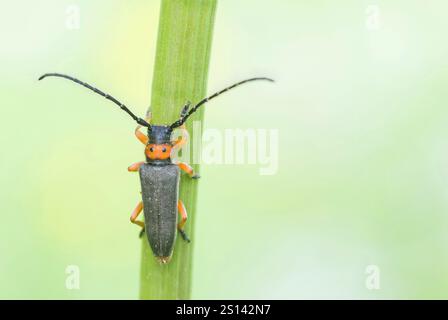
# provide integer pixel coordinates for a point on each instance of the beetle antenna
(184, 117)
(140, 121)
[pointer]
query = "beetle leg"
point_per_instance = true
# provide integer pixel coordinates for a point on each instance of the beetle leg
(135, 213)
(141, 136)
(135, 166)
(180, 225)
(188, 169)
(148, 115)
(182, 140)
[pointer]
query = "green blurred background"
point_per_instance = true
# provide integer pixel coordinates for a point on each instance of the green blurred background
(363, 156)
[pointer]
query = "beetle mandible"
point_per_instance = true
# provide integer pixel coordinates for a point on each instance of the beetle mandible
(159, 175)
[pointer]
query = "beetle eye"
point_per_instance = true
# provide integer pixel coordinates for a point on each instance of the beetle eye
(164, 149)
(151, 149)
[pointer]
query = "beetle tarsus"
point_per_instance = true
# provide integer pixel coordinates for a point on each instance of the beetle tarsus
(184, 236)
(195, 176)
(141, 233)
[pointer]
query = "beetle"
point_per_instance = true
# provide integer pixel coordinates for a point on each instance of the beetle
(159, 175)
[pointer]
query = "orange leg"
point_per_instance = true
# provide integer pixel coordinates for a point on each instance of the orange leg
(135, 166)
(141, 136)
(188, 169)
(184, 217)
(138, 209)
(182, 140)
(179, 142)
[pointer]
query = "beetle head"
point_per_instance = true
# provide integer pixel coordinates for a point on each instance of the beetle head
(158, 149)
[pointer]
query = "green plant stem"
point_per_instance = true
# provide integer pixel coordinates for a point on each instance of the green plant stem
(180, 74)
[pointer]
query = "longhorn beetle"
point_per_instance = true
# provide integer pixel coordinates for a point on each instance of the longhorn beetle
(159, 176)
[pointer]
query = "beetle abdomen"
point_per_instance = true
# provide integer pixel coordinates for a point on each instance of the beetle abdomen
(160, 185)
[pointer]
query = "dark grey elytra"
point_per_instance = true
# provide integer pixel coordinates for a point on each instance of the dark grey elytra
(160, 194)
(159, 178)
